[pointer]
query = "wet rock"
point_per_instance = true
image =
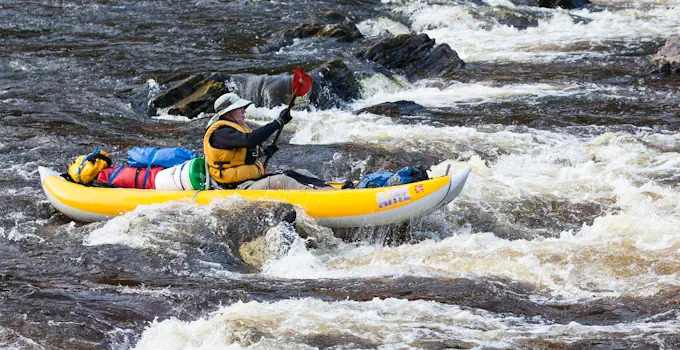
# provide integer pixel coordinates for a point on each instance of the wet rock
(414, 55)
(668, 57)
(317, 236)
(14, 340)
(340, 31)
(525, 2)
(190, 96)
(510, 17)
(264, 90)
(270, 247)
(396, 109)
(251, 221)
(329, 24)
(340, 341)
(442, 344)
(252, 253)
(529, 218)
(212, 235)
(334, 83)
(391, 235)
(331, 17)
(565, 4)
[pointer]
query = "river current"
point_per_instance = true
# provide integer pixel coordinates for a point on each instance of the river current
(566, 235)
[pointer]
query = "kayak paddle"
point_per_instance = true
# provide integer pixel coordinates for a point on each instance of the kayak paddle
(302, 82)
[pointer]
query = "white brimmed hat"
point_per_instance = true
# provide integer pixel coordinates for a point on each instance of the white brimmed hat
(227, 103)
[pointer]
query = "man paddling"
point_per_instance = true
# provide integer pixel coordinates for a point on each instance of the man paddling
(232, 149)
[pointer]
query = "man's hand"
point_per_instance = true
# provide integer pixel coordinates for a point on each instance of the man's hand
(284, 117)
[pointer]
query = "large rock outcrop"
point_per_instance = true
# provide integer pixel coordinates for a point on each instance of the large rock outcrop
(414, 55)
(341, 31)
(668, 57)
(263, 90)
(333, 83)
(190, 96)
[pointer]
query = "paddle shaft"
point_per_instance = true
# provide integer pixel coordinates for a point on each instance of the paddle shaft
(278, 133)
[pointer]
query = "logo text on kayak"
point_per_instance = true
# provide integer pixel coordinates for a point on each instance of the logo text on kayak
(397, 195)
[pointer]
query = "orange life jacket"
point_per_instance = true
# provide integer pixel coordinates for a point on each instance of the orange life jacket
(228, 166)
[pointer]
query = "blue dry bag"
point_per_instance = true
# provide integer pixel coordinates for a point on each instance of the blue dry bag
(146, 157)
(385, 178)
(140, 157)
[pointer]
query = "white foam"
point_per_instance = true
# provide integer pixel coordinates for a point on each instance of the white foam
(25, 170)
(389, 323)
(382, 26)
(432, 94)
(336, 126)
(153, 226)
(558, 36)
(162, 114)
(633, 249)
(11, 340)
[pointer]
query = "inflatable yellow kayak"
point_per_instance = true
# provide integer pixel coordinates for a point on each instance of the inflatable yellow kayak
(341, 208)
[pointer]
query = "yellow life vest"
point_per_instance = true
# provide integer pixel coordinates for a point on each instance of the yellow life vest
(85, 168)
(228, 166)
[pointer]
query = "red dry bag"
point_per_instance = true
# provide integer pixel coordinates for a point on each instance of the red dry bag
(129, 177)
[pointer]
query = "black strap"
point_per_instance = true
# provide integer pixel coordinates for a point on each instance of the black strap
(306, 180)
(94, 156)
(67, 177)
(137, 176)
(220, 166)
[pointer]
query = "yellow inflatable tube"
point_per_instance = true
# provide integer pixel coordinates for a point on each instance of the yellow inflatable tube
(340, 208)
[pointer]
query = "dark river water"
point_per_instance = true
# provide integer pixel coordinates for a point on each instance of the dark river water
(566, 236)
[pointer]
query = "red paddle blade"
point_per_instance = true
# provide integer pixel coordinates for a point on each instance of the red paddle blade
(302, 82)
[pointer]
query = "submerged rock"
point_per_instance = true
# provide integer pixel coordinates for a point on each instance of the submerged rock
(527, 218)
(396, 109)
(341, 31)
(184, 238)
(414, 55)
(250, 221)
(668, 57)
(391, 235)
(510, 17)
(525, 2)
(270, 247)
(565, 4)
(329, 24)
(335, 83)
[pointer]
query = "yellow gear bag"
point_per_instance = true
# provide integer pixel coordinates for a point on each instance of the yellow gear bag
(85, 168)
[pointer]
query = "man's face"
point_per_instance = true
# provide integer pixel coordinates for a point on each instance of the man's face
(238, 115)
